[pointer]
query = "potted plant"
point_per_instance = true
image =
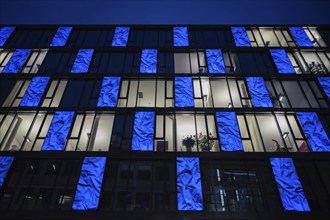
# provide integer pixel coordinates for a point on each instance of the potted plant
(204, 142)
(189, 142)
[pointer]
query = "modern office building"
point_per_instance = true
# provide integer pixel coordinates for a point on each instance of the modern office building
(164, 122)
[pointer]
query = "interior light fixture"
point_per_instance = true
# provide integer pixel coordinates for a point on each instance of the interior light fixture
(27, 139)
(281, 97)
(205, 97)
(285, 135)
(230, 105)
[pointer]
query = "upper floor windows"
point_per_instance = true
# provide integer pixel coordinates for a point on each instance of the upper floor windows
(163, 36)
(205, 92)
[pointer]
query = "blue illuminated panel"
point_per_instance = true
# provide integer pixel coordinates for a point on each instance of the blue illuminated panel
(89, 185)
(5, 33)
(325, 83)
(241, 37)
(301, 37)
(35, 91)
(313, 129)
(83, 59)
(258, 91)
(288, 184)
(215, 61)
(180, 36)
(148, 61)
(229, 134)
(61, 36)
(17, 60)
(5, 163)
(189, 186)
(58, 131)
(282, 61)
(184, 96)
(120, 37)
(143, 132)
(109, 92)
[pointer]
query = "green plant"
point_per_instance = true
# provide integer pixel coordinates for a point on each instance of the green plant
(204, 142)
(189, 141)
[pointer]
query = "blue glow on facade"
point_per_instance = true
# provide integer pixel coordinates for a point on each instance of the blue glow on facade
(148, 61)
(180, 37)
(288, 184)
(259, 93)
(109, 92)
(183, 88)
(282, 61)
(89, 185)
(17, 60)
(189, 186)
(82, 62)
(120, 37)
(143, 131)
(5, 33)
(241, 37)
(229, 134)
(61, 37)
(215, 61)
(314, 131)
(35, 91)
(58, 131)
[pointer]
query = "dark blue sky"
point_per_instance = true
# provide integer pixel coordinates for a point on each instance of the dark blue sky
(164, 12)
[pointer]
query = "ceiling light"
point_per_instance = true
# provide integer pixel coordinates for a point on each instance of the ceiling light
(230, 105)
(285, 135)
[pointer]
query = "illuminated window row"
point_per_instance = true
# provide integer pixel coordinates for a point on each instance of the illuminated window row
(204, 92)
(147, 131)
(152, 61)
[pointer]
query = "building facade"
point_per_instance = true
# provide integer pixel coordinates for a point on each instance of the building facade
(164, 122)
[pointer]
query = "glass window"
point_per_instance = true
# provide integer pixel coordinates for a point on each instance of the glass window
(190, 62)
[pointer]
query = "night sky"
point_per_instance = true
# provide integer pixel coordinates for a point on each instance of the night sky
(165, 12)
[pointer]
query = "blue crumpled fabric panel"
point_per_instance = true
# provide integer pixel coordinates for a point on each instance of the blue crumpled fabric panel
(109, 92)
(229, 134)
(35, 91)
(288, 184)
(313, 129)
(5, 33)
(183, 88)
(215, 61)
(58, 131)
(282, 61)
(189, 186)
(180, 36)
(258, 91)
(143, 131)
(325, 83)
(148, 61)
(61, 36)
(241, 37)
(5, 163)
(301, 37)
(83, 59)
(17, 60)
(89, 185)
(120, 37)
